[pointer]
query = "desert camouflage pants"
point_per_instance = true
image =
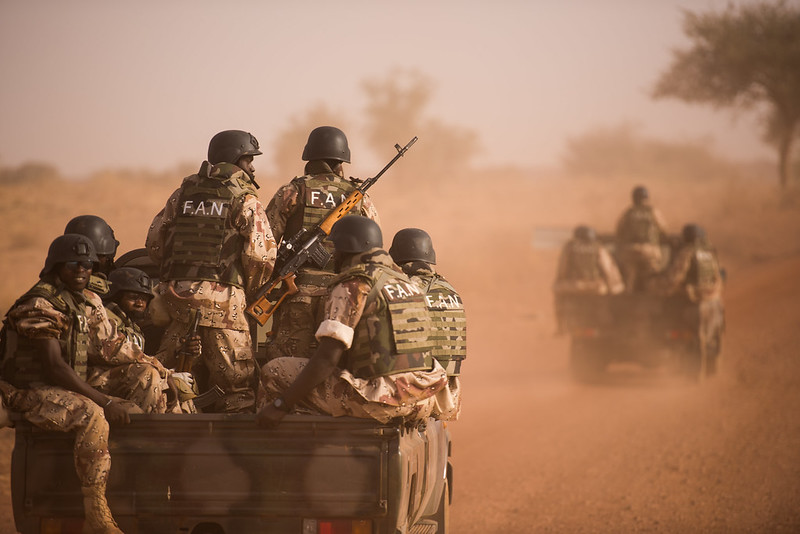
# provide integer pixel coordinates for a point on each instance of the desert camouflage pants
(227, 361)
(410, 395)
(139, 383)
(296, 320)
(61, 410)
(638, 263)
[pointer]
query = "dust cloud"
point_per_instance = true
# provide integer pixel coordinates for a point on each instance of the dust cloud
(534, 451)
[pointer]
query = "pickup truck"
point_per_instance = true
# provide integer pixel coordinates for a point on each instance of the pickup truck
(642, 328)
(222, 474)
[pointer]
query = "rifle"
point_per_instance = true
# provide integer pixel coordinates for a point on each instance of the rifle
(306, 246)
(186, 362)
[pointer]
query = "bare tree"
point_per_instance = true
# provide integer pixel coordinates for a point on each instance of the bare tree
(739, 58)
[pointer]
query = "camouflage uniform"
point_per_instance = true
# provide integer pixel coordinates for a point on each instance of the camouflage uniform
(587, 268)
(388, 372)
(640, 230)
(215, 248)
(449, 334)
(302, 203)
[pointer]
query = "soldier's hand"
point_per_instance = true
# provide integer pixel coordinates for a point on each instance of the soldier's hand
(116, 413)
(193, 346)
(270, 416)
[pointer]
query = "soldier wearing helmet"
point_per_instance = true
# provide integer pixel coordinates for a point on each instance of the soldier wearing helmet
(640, 232)
(412, 249)
(105, 245)
(53, 338)
(375, 335)
(215, 248)
(300, 205)
(694, 270)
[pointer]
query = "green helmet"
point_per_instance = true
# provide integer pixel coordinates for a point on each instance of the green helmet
(693, 232)
(353, 234)
(639, 194)
(68, 247)
(230, 145)
(96, 229)
(326, 142)
(128, 279)
(412, 244)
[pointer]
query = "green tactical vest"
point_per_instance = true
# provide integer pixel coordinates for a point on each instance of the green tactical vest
(202, 243)
(640, 226)
(703, 271)
(125, 325)
(582, 261)
(395, 337)
(22, 364)
(98, 283)
(319, 194)
(449, 320)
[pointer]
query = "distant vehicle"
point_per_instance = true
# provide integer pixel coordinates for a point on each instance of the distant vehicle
(641, 328)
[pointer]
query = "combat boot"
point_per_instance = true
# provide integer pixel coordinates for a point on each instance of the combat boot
(97, 516)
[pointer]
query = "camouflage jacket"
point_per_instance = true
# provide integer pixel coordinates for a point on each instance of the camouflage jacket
(695, 271)
(125, 324)
(587, 268)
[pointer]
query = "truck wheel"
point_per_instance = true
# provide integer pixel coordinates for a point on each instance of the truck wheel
(587, 361)
(442, 516)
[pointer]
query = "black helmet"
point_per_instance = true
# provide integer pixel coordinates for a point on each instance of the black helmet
(230, 145)
(68, 247)
(97, 230)
(584, 233)
(639, 194)
(412, 244)
(692, 232)
(326, 142)
(354, 233)
(128, 279)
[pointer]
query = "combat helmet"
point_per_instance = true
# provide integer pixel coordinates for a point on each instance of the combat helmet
(692, 232)
(584, 233)
(412, 244)
(96, 229)
(230, 145)
(128, 279)
(353, 234)
(68, 247)
(327, 142)
(639, 194)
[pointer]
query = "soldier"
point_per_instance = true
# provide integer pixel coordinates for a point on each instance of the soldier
(215, 248)
(586, 266)
(412, 249)
(640, 232)
(373, 358)
(105, 245)
(298, 205)
(126, 305)
(52, 336)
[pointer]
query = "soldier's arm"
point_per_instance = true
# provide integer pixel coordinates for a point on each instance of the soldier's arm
(283, 203)
(660, 222)
(259, 250)
(154, 243)
(611, 272)
(672, 279)
(369, 210)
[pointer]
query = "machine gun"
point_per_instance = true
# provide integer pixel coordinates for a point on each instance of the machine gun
(306, 246)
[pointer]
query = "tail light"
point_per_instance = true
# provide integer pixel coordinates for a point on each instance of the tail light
(61, 525)
(337, 526)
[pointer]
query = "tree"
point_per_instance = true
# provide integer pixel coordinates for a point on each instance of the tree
(743, 57)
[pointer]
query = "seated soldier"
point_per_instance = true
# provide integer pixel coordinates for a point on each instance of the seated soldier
(105, 246)
(373, 358)
(51, 336)
(641, 230)
(126, 303)
(412, 250)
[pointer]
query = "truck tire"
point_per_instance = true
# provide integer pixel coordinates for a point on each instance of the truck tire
(587, 360)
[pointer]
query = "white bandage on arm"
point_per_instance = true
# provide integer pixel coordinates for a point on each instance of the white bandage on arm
(336, 330)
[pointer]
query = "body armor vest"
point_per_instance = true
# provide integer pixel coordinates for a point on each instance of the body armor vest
(98, 283)
(22, 364)
(703, 271)
(395, 337)
(640, 226)
(449, 320)
(202, 243)
(125, 325)
(318, 195)
(582, 261)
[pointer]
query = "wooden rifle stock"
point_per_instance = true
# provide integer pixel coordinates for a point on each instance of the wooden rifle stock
(262, 308)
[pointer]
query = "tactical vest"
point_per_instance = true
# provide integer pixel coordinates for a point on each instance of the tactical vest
(22, 364)
(318, 195)
(98, 283)
(640, 226)
(395, 336)
(202, 243)
(582, 261)
(703, 271)
(125, 325)
(449, 320)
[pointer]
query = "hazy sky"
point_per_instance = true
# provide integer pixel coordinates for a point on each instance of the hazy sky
(90, 84)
